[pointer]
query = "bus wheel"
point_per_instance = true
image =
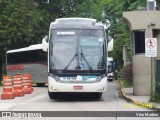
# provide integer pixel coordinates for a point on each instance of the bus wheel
(97, 95)
(110, 80)
(40, 84)
(53, 95)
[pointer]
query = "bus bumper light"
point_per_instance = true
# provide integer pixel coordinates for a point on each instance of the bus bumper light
(54, 89)
(102, 88)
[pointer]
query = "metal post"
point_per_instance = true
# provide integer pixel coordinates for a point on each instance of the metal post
(125, 55)
(150, 35)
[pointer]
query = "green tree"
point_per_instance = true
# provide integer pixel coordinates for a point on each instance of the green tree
(26, 22)
(117, 28)
(21, 24)
(72, 8)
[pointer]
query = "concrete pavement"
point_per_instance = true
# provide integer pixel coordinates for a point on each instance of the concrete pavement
(39, 101)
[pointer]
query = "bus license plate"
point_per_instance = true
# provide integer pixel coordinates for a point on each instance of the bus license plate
(78, 87)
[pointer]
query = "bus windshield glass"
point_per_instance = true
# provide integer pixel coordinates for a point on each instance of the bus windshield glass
(79, 49)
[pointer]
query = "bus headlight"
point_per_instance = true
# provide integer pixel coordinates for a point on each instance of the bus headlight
(55, 77)
(99, 78)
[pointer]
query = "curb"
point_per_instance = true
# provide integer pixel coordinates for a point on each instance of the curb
(129, 99)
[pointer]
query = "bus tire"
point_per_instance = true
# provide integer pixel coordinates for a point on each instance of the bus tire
(97, 95)
(40, 84)
(53, 95)
(110, 80)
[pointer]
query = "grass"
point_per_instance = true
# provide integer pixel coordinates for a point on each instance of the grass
(126, 83)
(155, 97)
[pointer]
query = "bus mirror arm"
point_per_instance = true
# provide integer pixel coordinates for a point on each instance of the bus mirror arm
(45, 43)
(46, 38)
(110, 45)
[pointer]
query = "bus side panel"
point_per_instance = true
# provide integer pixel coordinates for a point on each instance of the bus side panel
(39, 72)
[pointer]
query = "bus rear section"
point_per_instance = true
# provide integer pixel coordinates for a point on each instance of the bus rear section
(30, 60)
(77, 56)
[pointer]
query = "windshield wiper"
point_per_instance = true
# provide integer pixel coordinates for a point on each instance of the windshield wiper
(71, 61)
(89, 66)
(75, 56)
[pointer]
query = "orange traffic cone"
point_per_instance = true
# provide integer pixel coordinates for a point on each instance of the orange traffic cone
(7, 90)
(17, 86)
(27, 83)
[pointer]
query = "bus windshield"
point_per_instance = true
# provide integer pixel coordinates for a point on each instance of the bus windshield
(77, 49)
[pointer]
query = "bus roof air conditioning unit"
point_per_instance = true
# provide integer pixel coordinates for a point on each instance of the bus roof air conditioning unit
(151, 4)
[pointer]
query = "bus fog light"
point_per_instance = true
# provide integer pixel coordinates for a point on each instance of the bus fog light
(102, 88)
(53, 88)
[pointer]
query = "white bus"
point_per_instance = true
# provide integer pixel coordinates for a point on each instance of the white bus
(111, 68)
(32, 60)
(77, 57)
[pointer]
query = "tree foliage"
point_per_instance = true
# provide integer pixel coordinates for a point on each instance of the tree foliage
(26, 22)
(118, 29)
(21, 24)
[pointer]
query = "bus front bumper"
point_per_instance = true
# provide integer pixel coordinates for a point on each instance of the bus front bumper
(54, 86)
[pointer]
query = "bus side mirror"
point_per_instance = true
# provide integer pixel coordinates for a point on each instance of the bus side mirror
(45, 43)
(110, 45)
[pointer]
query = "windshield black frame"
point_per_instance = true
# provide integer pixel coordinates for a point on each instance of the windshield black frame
(79, 52)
